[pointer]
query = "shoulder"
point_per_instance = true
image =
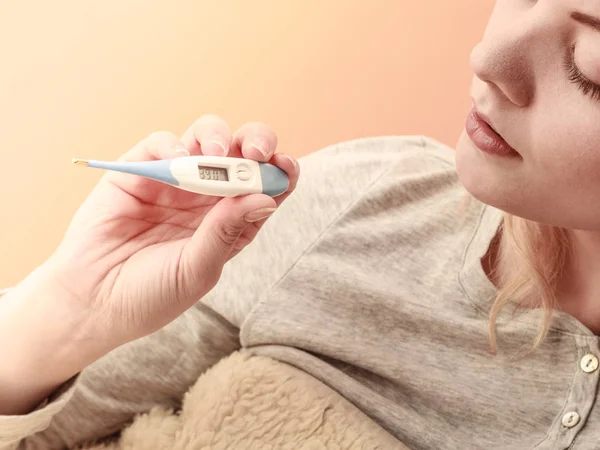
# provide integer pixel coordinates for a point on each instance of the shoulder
(375, 153)
(343, 188)
(343, 172)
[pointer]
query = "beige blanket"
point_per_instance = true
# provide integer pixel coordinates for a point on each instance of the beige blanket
(251, 402)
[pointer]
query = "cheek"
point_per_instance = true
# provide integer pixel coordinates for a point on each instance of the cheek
(566, 147)
(562, 172)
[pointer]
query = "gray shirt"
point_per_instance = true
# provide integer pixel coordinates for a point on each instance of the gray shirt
(369, 278)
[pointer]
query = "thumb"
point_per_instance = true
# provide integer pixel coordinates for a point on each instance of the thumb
(212, 243)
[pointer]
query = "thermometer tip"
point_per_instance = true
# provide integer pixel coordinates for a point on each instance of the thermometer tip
(80, 162)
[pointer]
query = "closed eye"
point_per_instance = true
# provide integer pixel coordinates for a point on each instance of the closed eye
(585, 85)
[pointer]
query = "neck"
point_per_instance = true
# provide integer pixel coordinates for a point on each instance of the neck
(578, 292)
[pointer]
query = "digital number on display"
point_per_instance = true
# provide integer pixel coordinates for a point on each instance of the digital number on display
(213, 173)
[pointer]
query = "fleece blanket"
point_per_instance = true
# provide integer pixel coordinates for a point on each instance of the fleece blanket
(250, 402)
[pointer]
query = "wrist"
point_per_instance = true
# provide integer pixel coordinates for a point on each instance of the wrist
(45, 339)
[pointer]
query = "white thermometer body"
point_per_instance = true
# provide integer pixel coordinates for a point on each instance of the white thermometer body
(209, 175)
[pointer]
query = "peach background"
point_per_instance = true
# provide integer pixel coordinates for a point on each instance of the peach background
(90, 78)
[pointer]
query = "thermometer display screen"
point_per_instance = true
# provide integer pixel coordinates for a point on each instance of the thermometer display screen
(213, 173)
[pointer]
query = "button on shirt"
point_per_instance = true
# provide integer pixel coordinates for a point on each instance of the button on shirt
(589, 363)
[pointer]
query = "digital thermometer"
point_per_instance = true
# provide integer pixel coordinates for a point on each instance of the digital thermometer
(209, 175)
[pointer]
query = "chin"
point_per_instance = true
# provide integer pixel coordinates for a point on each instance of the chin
(480, 177)
(469, 170)
(490, 182)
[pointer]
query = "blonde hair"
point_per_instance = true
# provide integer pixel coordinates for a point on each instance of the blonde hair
(530, 261)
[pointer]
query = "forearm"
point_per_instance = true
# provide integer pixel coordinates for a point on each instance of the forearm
(44, 341)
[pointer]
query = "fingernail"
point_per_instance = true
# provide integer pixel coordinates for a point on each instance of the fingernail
(293, 161)
(181, 150)
(259, 214)
(222, 146)
(261, 145)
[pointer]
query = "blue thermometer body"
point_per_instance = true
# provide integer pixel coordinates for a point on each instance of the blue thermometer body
(209, 175)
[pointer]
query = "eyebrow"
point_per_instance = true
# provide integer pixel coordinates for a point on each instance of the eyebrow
(586, 19)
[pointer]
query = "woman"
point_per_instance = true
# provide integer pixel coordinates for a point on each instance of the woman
(374, 276)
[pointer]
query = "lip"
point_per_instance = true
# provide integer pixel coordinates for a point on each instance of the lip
(484, 137)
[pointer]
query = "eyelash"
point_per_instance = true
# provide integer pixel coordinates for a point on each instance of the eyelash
(586, 86)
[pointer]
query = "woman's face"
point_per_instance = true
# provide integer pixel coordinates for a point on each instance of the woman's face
(537, 80)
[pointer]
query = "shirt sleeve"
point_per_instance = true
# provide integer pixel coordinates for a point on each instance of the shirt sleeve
(158, 369)
(14, 428)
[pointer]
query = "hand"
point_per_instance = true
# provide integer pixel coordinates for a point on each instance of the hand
(138, 252)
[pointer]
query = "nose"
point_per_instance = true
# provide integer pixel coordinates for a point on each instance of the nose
(509, 55)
